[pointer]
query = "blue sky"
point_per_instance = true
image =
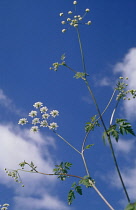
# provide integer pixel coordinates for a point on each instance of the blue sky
(30, 41)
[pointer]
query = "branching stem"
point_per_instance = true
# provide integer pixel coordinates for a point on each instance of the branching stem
(102, 121)
(70, 175)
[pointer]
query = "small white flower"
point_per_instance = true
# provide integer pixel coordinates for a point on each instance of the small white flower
(68, 19)
(6, 205)
(53, 126)
(75, 16)
(23, 121)
(44, 123)
(80, 18)
(35, 121)
(121, 78)
(87, 10)
(4, 208)
(75, 25)
(43, 109)
(54, 113)
(89, 22)
(63, 22)
(71, 23)
(75, 2)
(61, 14)
(32, 113)
(34, 129)
(64, 30)
(38, 104)
(45, 116)
(69, 12)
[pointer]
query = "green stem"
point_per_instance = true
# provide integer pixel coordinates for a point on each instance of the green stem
(67, 142)
(81, 50)
(99, 113)
(84, 161)
(70, 175)
(86, 168)
(114, 157)
(84, 141)
(118, 170)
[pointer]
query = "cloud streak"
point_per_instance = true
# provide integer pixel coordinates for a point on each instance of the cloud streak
(21, 145)
(7, 103)
(127, 68)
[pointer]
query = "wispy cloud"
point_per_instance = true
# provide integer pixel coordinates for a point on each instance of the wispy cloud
(46, 201)
(7, 103)
(4, 100)
(125, 149)
(17, 146)
(129, 178)
(127, 68)
(105, 81)
(124, 146)
(87, 99)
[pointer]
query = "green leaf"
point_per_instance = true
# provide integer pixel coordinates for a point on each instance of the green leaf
(62, 169)
(67, 165)
(86, 181)
(71, 197)
(124, 127)
(78, 190)
(131, 206)
(80, 75)
(91, 125)
(88, 146)
(93, 119)
(113, 132)
(74, 185)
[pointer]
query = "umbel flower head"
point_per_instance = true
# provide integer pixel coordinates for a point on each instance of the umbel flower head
(123, 92)
(74, 19)
(44, 119)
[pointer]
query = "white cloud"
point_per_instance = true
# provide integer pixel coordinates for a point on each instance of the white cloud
(124, 146)
(44, 202)
(87, 99)
(6, 102)
(105, 81)
(127, 68)
(129, 178)
(17, 146)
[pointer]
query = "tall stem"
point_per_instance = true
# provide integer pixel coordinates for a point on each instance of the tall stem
(99, 113)
(114, 157)
(81, 50)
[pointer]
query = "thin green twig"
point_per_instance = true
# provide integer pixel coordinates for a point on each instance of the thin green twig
(81, 50)
(67, 142)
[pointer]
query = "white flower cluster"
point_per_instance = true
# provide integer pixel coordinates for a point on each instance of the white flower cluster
(123, 93)
(4, 206)
(15, 175)
(43, 121)
(75, 20)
